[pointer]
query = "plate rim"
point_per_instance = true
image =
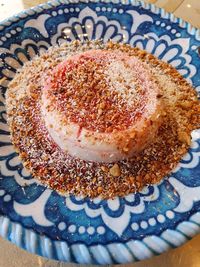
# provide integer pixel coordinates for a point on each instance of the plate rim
(29, 240)
(148, 6)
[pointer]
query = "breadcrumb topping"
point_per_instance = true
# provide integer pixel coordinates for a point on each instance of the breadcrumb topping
(70, 175)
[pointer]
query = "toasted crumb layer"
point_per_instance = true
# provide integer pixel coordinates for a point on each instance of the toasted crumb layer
(58, 170)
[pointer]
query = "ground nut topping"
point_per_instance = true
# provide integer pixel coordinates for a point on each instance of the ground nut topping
(115, 170)
(100, 100)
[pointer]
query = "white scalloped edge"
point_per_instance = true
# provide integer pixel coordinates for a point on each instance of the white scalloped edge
(114, 252)
(156, 10)
(100, 254)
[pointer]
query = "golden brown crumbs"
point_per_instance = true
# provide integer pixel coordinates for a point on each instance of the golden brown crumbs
(115, 170)
(66, 174)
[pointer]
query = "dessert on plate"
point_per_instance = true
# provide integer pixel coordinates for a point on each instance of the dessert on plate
(100, 119)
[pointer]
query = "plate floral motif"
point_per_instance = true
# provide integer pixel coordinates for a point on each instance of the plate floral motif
(121, 230)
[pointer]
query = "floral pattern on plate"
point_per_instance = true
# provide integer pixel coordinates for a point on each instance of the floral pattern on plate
(98, 231)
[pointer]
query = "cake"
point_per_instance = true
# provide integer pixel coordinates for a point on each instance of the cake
(97, 107)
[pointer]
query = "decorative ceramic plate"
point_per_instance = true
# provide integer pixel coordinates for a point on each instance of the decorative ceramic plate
(122, 230)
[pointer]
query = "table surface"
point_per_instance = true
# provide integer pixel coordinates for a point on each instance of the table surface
(186, 256)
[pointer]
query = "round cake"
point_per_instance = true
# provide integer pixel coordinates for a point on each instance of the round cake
(96, 119)
(101, 106)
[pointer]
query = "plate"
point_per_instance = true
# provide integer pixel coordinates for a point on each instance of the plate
(82, 230)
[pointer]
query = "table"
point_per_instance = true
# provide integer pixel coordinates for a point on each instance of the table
(186, 256)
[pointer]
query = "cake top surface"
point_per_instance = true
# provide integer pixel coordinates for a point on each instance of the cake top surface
(101, 90)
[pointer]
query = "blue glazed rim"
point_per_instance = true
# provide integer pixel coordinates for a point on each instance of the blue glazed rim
(59, 250)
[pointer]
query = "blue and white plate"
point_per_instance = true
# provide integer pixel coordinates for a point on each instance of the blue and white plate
(75, 229)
